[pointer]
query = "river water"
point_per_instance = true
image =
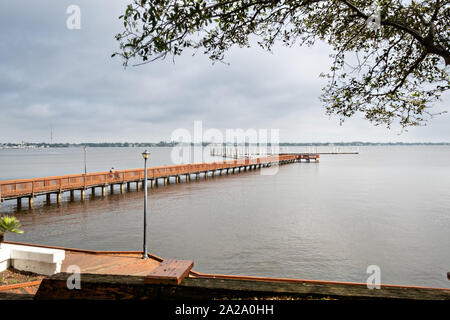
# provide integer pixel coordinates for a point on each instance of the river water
(387, 206)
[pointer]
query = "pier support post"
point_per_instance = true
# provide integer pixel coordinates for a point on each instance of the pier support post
(58, 198)
(152, 183)
(82, 194)
(213, 173)
(93, 191)
(156, 182)
(165, 181)
(188, 178)
(103, 191)
(30, 202)
(47, 196)
(19, 202)
(177, 179)
(122, 187)
(72, 194)
(111, 188)
(138, 185)
(128, 186)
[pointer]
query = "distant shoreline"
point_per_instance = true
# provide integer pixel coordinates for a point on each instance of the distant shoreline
(43, 145)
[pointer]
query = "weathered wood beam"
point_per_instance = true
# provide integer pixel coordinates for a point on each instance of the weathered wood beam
(111, 287)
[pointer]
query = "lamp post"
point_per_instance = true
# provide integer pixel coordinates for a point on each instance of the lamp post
(85, 167)
(145, 155)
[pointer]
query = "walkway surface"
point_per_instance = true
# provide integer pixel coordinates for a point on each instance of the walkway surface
(17, 189)
(123, 264)
(95, 262)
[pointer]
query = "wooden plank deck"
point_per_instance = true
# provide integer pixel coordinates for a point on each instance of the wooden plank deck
(170, 271)
(113, 264)
(89, 262)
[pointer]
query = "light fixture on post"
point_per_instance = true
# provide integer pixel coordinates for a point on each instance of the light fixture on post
(145, 155)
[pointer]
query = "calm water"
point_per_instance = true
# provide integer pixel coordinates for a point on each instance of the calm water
(387, 206)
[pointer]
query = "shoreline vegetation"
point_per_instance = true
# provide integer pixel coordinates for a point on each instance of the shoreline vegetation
(40, 145)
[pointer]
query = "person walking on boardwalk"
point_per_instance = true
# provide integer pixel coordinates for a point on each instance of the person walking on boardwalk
(111, 173)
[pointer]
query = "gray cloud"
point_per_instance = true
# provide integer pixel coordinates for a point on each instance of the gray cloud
(52, 76)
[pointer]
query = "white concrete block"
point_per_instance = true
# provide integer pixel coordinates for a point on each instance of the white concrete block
(38, 260)
(4, 259)
(4, 254)
(38, 267)
(35, 253)
(4, 265)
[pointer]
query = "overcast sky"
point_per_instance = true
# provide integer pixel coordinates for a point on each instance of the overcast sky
(51, 76)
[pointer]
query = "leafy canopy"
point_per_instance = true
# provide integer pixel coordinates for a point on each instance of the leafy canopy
(9, 224)
(391, 73)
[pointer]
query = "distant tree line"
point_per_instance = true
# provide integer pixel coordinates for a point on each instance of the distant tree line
(172, 144)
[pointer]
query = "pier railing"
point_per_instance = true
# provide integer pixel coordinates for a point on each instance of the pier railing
(58, 184)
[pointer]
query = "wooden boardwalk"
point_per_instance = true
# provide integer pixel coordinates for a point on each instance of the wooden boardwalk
(30, 188)
(123, 263)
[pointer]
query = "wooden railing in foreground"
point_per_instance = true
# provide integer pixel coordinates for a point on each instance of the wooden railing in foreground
(118, 287)
(17, 189)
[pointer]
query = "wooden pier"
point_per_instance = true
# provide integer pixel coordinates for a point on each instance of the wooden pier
(48, 186)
